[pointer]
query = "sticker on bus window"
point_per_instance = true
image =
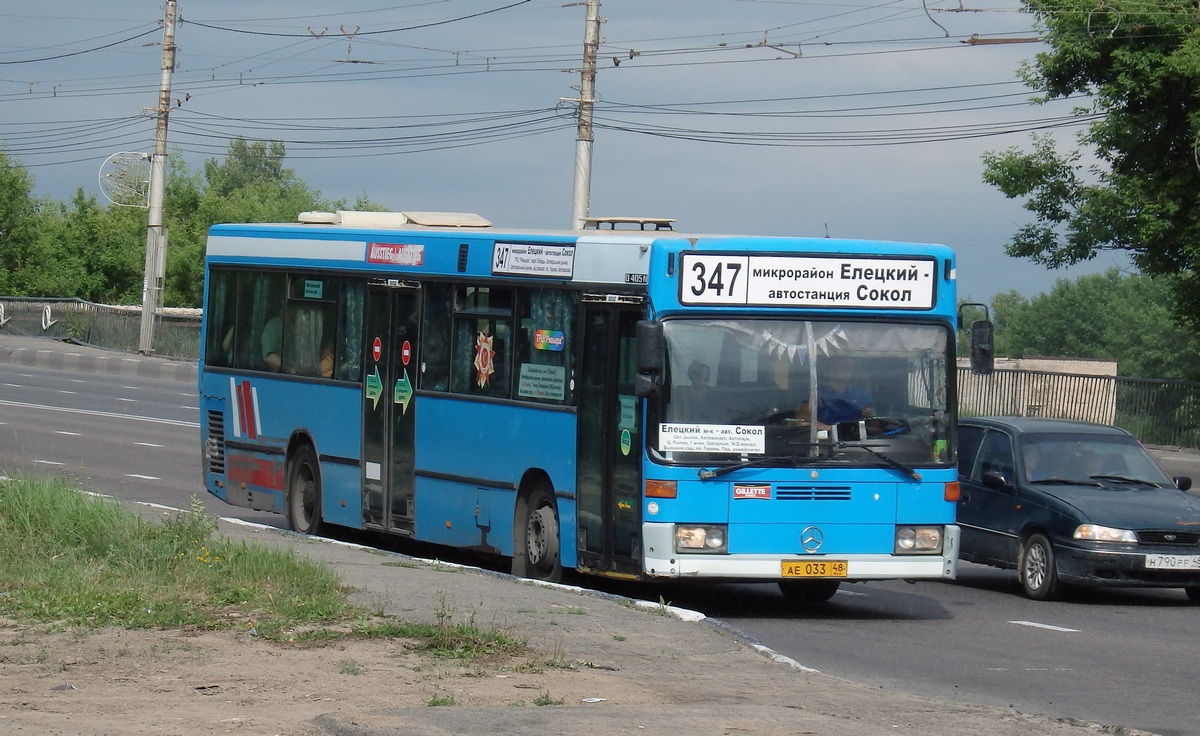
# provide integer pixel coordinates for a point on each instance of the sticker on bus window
(314, 288)
(733, 438)
(553, 340)
(547, 382)
(484, 356)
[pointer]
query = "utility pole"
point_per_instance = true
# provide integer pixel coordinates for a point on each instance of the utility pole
(581, 198)
(156, 237)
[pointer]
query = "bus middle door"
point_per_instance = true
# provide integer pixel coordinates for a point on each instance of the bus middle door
(609, 484)
(389, 412)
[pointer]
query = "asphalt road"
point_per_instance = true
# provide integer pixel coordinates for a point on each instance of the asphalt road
(1111, 657)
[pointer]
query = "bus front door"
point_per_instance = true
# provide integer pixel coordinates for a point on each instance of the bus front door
(389, 412)
(608, 486)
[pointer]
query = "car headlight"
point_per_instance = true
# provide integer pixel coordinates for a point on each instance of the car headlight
(918, 540)
(709, 538)
(1097, 533)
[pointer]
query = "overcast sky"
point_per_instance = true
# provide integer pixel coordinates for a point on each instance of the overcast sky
(858, 118)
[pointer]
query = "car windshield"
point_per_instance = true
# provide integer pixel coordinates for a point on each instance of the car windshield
(744, 390)
(1088, 458)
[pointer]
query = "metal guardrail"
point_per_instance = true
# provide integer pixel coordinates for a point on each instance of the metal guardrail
(1156, 411)
(176, 335)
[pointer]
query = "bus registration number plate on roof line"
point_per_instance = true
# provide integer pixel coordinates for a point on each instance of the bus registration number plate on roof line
(814, 568)
(1173, 562)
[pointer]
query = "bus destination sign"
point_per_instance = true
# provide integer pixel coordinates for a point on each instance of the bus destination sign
(527, 259)
(808, 281)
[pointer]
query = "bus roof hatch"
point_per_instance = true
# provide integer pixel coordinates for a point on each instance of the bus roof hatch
(356, 218)
(643, 223)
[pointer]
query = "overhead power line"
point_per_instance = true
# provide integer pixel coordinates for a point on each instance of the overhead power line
(80, 52)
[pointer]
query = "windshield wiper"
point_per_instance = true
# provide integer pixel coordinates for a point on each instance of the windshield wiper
(1124, 479)
(790, 460)
(907, 470)
(1065, 482)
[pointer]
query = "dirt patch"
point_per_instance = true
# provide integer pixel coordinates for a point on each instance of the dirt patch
(135, 682)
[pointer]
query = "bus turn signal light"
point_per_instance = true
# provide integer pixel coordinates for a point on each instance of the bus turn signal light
(661, 489)
(952, 491)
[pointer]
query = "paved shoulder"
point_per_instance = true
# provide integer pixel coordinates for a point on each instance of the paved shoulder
(58, 355)
(633, 668)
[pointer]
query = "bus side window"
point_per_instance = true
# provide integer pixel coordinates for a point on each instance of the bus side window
(480, 355)
(222, 315)
(260, 300)
(348, 355)
(435, 337)
(543, 346)
(308, 346)
(482, 341)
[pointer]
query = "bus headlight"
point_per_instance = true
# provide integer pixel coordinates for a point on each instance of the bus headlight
(918, 540)
(706, 538)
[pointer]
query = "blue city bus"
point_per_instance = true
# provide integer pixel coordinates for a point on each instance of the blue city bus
(623, 400)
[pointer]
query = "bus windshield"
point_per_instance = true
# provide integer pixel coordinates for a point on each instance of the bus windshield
(804, 391)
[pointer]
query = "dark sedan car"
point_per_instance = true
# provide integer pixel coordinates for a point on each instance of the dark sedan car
(1074, 503)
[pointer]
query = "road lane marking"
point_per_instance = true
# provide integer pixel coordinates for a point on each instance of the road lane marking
(107, 414)
(1049, 627)
(148, 444)
(141, 477)
(69, 434)
(48, 462)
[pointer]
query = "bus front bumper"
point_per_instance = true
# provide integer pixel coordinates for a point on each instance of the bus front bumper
(660, 560)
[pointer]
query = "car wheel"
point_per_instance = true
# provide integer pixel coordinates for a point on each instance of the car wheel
(1193, 593)
(1038, 570)
(808, 592)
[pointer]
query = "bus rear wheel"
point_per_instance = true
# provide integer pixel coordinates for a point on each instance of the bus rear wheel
(304, 492)
(542, 537)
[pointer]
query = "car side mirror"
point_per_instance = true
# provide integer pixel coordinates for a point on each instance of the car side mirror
(1183, 482)
(995, 479)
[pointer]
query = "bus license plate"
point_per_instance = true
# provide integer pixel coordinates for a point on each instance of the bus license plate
(1173, 562)
(814, 568)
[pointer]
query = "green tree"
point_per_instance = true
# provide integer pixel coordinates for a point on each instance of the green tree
(17, 226)
(251, 184)
(84, 250)
(1138, 64)
(1109, 315)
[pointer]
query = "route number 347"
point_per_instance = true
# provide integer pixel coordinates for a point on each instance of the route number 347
(714, 279)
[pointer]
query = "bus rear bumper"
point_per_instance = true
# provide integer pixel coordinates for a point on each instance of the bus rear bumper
(660, 560)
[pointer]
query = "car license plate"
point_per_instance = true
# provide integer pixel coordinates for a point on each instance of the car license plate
(814, 568)
(1173, 562)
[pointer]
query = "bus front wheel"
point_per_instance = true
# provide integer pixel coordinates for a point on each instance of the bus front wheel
(304, 492)
(542, 536)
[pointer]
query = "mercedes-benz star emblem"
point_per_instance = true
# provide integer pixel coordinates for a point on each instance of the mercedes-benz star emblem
(812, 538)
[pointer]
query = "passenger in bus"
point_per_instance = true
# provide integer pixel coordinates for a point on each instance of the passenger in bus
(842, 399)
(327, 359)
(272, 343)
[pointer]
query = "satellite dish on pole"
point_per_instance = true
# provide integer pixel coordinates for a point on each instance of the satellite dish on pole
(125, 179)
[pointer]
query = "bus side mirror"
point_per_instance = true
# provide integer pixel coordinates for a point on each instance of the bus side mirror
(651, 350)
(983, 348)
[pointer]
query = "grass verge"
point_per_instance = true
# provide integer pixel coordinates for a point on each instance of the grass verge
(67, 558)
